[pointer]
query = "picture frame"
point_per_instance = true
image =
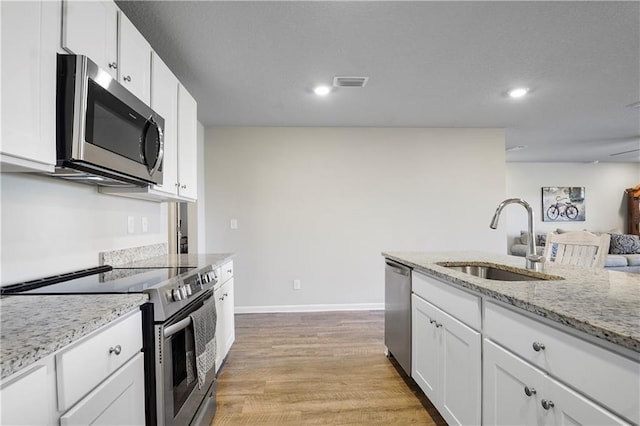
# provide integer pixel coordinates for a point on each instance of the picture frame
(563, 204)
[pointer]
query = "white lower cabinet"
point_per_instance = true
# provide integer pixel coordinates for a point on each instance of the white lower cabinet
(119, 400)
(517, 393)
(38, 384)
(446, 362)
(508, 367)
(97, 380)
(607, 379)
(225, 324)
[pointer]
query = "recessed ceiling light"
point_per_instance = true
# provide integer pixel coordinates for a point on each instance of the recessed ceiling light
(516, 148)
(322, 90)
(518, 92)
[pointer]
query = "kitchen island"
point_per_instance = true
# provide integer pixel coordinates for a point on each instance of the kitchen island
(562, 345)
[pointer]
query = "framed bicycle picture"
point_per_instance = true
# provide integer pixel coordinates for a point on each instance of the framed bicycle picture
(563, 204)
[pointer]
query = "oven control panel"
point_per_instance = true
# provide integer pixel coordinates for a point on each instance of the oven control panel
(188, 287)
(211, 277)
(192, 285)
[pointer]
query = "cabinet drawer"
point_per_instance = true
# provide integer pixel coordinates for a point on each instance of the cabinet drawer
(88, 362)
(457, 303)
(604, 376)
(119, 400)
(226, 272)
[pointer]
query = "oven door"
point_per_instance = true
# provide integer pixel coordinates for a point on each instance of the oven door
(180, 401)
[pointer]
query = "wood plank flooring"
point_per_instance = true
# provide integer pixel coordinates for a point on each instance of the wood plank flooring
(325, 368)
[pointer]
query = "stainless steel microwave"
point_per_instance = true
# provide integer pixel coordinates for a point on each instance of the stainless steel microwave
(105, 134)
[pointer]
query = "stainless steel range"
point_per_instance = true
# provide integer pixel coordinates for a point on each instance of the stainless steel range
(173, 396)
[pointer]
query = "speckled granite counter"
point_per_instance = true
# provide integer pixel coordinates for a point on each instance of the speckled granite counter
(180, 260)
(33, 327)
(602, 303)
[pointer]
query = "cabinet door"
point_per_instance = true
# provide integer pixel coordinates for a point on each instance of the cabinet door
(229, 319)
(571, 408)
(28, 82)
(187, 145)
(119, 400)
(164, 101)
(135, 60)
(225, 325)
(425, 351)
(511, 388)
(219, 327)
(91, 28)
(461, 365)
(29, 398)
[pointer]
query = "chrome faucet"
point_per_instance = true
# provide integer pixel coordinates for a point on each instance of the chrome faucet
(534, 261)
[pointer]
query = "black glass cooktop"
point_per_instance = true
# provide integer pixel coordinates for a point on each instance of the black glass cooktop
(98, 280)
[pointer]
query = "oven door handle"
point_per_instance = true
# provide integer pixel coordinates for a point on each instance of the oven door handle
(174, 328)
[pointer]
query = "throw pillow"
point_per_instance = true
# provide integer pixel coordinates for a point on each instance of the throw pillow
(624, 244)
(541, 240)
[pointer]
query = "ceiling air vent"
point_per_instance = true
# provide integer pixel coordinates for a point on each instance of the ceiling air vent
(349, 81)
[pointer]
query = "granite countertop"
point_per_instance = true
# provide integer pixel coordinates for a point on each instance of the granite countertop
(180, 260)
(599, 302)
(33, 327)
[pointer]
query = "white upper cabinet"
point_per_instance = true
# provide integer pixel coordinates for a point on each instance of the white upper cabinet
(91, 28)
(187, 145)
(30, 37)
(135, 60)
(164, 101)
(100, 31)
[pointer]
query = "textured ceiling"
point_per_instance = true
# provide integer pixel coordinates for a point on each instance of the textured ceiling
(431, 64)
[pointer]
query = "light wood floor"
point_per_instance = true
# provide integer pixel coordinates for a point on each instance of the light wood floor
(316, 369)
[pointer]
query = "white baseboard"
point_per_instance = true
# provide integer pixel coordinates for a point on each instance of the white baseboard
(309, 308)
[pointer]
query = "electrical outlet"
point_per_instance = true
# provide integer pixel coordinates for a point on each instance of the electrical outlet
(131, 224)
(233, 223)
(296, 284)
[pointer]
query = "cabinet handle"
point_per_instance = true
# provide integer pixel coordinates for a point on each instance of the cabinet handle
(113, 65)
(537, 346)
(529, 391)
(547, 404)
(230, 271)
(438, 325)
(431, 321)
(115, 350)
(184, 187)
(226, 294)
(221, 298)
(127, 78)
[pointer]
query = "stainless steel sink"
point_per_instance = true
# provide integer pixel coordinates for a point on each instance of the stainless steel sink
(493, 273)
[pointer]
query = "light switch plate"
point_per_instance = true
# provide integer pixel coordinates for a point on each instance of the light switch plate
(131, 224)
(233, 223)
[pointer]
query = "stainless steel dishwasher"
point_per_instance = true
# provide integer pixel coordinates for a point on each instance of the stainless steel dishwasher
(397, 313)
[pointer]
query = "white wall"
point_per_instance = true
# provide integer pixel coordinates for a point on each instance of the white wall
(604, 183)
(321, 204)
(51, 226)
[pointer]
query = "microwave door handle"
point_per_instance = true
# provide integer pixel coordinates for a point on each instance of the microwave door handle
(160, 150)
(149, 124)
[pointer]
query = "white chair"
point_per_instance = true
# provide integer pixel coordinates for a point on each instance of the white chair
(580, 248)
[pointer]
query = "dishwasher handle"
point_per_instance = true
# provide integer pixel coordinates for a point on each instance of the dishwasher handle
(398, 269)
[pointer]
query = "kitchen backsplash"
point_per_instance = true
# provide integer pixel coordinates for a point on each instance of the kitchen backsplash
(122, 256)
